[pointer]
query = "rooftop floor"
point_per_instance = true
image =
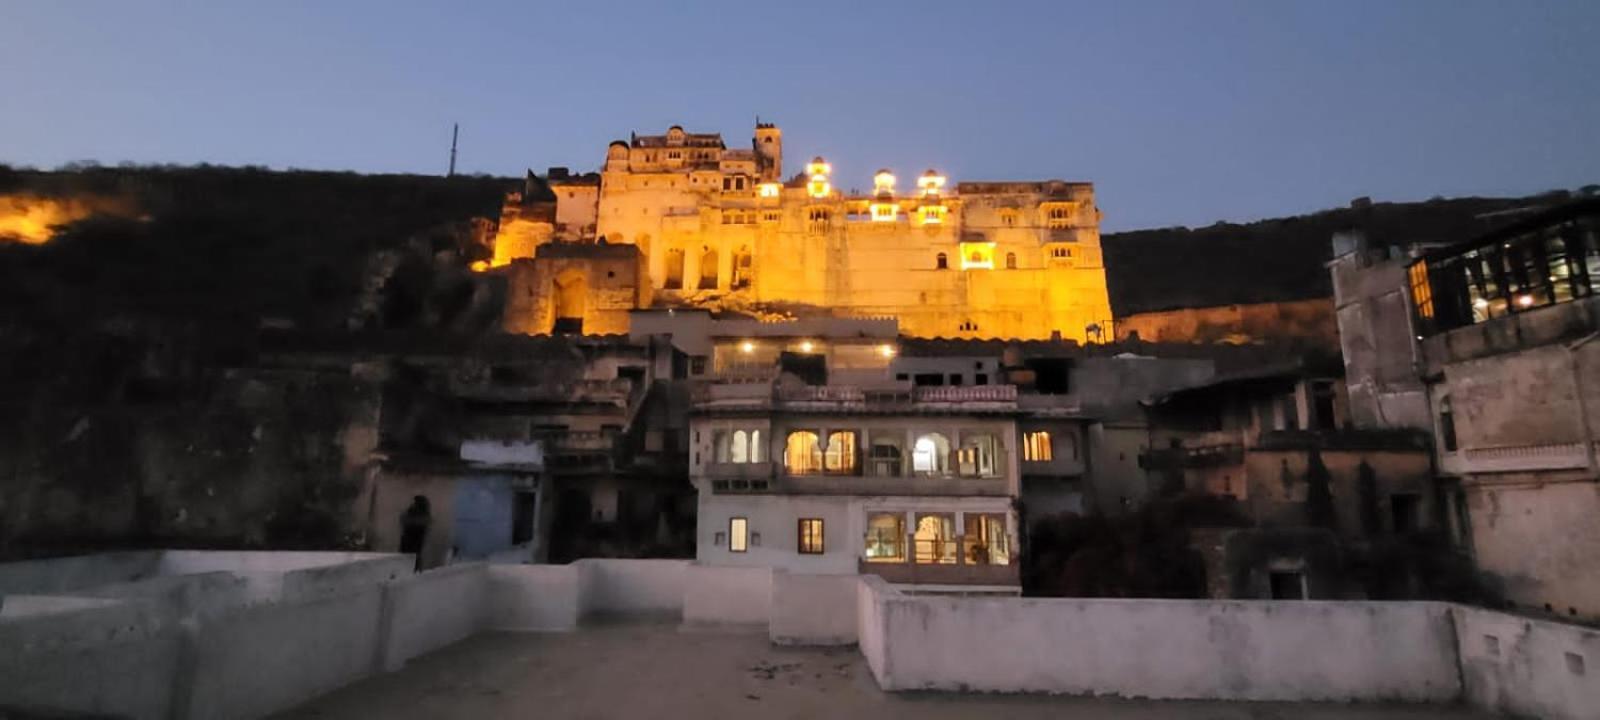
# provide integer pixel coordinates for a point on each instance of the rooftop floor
(635, 671)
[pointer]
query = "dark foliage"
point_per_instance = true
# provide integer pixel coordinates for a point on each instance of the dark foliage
(1141, 554)
(1277, 259)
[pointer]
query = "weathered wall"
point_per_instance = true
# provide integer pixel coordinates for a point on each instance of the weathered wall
(1167, 649)
(814, 609)
(1537, 538)
(119, 659)
(431, 610)
(67, 574)
(534, 597)
(1309, 321)
(1527, 668)
(632, 587)
(272, 657)
(727, 595)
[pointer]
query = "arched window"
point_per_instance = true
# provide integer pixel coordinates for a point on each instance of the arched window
(941, 262)
(741, 268)
(840, 455)
(708, 270)
(802, 453)
(930, 455)
(757, 452)
(978, 456)
(719, 446)
(1011, 261)
(739, 447)
(674, 279)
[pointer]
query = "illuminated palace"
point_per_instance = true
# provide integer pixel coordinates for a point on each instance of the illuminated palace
(681, 220)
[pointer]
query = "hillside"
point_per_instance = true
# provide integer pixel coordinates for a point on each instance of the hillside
(1279, 258)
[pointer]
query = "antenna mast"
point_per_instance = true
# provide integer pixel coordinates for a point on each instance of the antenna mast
(455, 132)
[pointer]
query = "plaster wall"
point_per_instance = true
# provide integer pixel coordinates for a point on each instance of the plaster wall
(1527, 668)
(1167, 649)
(111, 658)
(431, 610)
(727, 595)
(271, 657)
(1538, 539)
(540, 598)
(814, 609)
(611, 587)
(67, 574)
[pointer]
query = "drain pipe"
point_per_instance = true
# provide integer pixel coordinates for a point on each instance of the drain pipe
(1589, 440)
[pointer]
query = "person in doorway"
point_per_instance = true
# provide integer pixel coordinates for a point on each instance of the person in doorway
(414, 528)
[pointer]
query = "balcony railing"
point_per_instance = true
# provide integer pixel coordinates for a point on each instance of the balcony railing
(963, 571)
(754, 392)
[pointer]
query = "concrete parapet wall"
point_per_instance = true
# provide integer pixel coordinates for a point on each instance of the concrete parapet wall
(1168, 649)
(59, 576)
(431, 610)
(640, 588)
(533, 597)
(1527, 668)
(727, 595)
(92, 656)
(271, 657)
(814, 609)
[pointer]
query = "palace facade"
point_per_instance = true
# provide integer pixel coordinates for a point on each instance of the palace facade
(721, 228)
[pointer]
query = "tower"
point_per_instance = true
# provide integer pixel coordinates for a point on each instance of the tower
(769, 151)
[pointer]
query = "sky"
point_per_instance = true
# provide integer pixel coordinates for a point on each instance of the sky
(1181, 112)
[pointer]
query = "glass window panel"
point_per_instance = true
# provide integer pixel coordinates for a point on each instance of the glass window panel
(738, 534)
(935, 538)
(886, 537)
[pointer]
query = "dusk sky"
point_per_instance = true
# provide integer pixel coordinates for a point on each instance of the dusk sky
(1180, 112)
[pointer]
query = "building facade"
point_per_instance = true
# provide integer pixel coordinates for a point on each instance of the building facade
(723, 227)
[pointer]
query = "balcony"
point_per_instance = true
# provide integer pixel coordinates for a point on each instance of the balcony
(959, 573)
(731, 393)
(1205, 456)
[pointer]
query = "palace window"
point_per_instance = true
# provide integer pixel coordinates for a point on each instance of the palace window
(1036, 446)
(930, 455)
(1061, 252)
(810, 536)
(984, 540)
(818, 221)
(885, 459)
(979, 456)
(739, 446)
(941, 262)
(674, 279)
(802, 453)
(738, 534)
(708, 270)
(1058, 217)
(886, 537)
(840, 455)
(1008, 218)
(935, 538)
(884, 212)
(1011, 261)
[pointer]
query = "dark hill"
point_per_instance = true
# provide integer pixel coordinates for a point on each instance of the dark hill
(1280, 258)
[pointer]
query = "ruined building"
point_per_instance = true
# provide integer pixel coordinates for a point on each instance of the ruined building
(680, 219)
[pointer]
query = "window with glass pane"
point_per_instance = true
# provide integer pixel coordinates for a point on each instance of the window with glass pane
(738, 534)
(719, 446)
(1421, 292)
(811, 536)
(840, 455)
(757, 452)
(802, 454)
(886, 537)
(1036, 446)
(935, 538)
(984, 539)
(739, 447)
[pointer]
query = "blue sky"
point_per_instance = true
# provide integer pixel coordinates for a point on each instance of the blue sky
(1181, 112)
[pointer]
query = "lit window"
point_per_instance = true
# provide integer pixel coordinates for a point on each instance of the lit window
(1036, 446)
(802, 453)
(811, 536)
(739, 447)
(886, 537)
(1421, 292)
(738, 534)
(840, 456)
(984, 541)
(935, 538)
(884, 212)
(977, 256)
(930, 455)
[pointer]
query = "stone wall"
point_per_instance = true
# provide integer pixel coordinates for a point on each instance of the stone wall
(1310, 322)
